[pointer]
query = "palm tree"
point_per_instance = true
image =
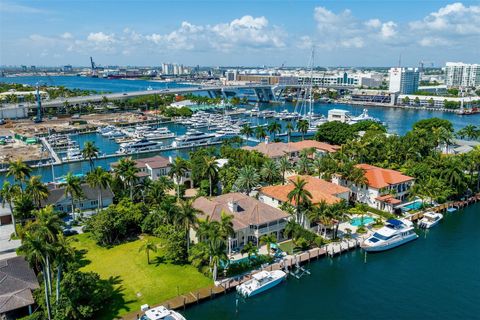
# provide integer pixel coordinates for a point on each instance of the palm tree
(37, 189)
(146, 247)
(19, 170)
(250, 249)
(302, 126)
(127, 170)
(99, 179)
(304, 165)
(217, 254)
(269, 171)
(274, 128)
(260, 133)
(35, 253)
(300, 196)
(225, 228)
(290, 129)
(8, 194)
(246, 130)
(64, 253)
(284, 165)
(178, 168)
(470, 131)
(268, 239)
(73, 189)
(155, 192)
(210, 168)
(247, 179)
(186, 217)
(90, 151)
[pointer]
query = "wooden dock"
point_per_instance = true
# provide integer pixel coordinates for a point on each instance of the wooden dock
(288, 263)
(445, 206)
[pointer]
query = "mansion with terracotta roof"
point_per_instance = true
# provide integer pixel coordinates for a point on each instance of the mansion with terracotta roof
(385, 189)
(252, 219)
(277, 150)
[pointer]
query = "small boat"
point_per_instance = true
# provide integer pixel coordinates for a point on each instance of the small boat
(161, 313)
(261, 282)
(395, 233)
(429, 220)
(73, 154)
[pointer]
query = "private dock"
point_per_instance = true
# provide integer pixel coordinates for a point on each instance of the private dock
(289, 264)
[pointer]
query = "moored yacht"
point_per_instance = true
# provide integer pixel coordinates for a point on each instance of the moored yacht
(138, 146)
(73, 154)
(429, 220)
(161, 313)
(394, 234)
(193, 137)
(158, 134)
(261, 282)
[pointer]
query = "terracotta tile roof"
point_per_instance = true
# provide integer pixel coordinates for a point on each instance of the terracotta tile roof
(388, 198)
(321, 190)
(381, 178)
(17, 280)
(279, 149)
(250, 211)
(305, 144)
(153, 162)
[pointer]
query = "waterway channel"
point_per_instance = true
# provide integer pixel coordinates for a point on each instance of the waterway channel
(434, 277)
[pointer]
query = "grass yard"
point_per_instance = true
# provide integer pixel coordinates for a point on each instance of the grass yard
(138, 282)
(287, 246)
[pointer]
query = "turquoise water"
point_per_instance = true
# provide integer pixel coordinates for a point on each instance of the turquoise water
(434, 277)
(357, 221)
(413, 206)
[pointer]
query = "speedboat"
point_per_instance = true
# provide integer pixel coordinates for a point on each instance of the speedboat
(193, 137)
(138, 146)
(161, 313)
(395, 233)
(261, 282)
(429, 220)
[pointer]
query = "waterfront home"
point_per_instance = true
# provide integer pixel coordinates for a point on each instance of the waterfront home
(277, 150)
(252, 219)
(384, 189)
(17, 282)
(90, 200)
(153, 168)
(320, 190)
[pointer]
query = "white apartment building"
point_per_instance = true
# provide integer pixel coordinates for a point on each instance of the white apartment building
(460, 74)
(403, 80)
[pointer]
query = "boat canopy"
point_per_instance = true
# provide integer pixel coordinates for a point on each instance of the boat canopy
(157, 313)
(395, 222)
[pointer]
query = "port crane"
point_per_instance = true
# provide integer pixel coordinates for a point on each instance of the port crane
(94, 68)
(422, 64)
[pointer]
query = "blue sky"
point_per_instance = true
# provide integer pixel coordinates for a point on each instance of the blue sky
(247, 33)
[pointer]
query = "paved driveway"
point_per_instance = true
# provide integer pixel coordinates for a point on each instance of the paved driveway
(7, 246)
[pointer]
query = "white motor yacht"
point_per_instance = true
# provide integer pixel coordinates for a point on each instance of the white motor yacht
(161, 313)
(394, 234)
(261, 282)
(193, 137)
(73, 154)
(158, 134)
(363, 117)
(139, 146)
(429, 220)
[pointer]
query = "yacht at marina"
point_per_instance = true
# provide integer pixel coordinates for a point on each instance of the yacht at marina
(193, 137)
(139, 146)
(394, 234)
(156, 134)
(261, 282)
(73, 154)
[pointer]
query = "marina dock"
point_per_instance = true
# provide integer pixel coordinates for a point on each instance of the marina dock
(50, 150)
(290, 264)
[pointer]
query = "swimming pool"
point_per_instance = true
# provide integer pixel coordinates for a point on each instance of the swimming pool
(413, 206)
(357, 221)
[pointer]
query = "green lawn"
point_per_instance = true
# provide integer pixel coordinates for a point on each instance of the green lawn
(287, 246)
(138, 282)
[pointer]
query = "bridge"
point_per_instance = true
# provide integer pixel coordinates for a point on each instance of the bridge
(263, 93)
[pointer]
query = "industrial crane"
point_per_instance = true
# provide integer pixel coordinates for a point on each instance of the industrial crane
(422, 65)
(94, 68)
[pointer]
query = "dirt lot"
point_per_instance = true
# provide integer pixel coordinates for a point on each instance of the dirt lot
(20, 150)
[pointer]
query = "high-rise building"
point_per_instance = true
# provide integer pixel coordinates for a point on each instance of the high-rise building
(404, 80)
(460, 74)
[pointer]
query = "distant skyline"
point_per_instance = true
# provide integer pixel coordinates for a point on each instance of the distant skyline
(238, 33)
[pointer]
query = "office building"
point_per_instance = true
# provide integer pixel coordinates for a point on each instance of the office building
(403, 80)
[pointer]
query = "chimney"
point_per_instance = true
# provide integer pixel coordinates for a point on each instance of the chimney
(233, 206)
